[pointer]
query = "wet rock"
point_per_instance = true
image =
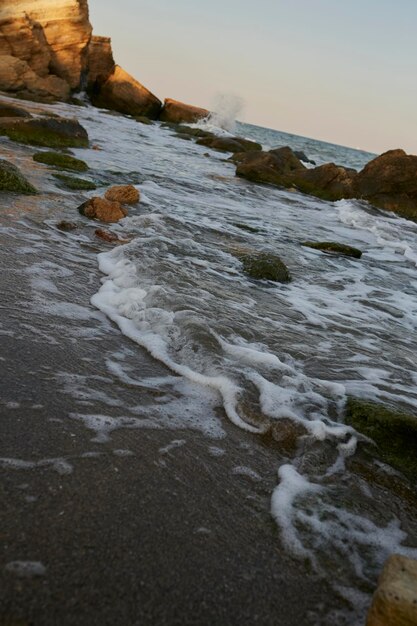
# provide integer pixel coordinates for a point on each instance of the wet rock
(177, 112)
(63, 161)
(143, 120)
(277, 167)
(333, 248)
(249, 229)
(109, 237)
(125, 194)
(265, 266)
(50, 132)
(395, 600)
(328, 182)
(102, 210)
(192, 132)
(229, 144)
(303, 157)
(394, 433)
(287, 433)
(66, 226)
(390, 182)
(70, 182)
(9, 110)
(11, 179)
(123, 93)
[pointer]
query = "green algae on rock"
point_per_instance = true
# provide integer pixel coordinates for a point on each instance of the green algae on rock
(71, 182)
(265, 266)
(394, 432)
(249, 229)
(63, 161)
(334, 248)
(11, 179)
(50, 132)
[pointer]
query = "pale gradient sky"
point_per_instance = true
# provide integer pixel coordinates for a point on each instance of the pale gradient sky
(336, 70)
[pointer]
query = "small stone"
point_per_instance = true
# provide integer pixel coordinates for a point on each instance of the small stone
(125, 194)
(103, 210)
(265, 266)
(66, 226)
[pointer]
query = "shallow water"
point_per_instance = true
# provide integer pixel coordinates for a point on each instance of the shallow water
(261, 351)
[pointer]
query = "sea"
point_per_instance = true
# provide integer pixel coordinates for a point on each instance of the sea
(255, 353)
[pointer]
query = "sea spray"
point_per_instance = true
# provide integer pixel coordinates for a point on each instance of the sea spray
(225, 110)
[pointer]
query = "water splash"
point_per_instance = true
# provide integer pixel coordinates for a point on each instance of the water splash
(226, 108)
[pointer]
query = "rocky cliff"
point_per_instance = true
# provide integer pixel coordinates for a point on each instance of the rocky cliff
(47, 51)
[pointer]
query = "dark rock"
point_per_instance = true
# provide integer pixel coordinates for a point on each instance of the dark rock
(109, 237)
(63, 161)
(265, 266)
(193, 132)
(11, 179)
(277, 167)
(394, 433)
(229, 144)
(249, 229)
(333, 248)
(303, 157)
(50, 132)
(179, 112)
(390, 182)
(103, 210)
(328, 182)
(70, 182)
(143, 120)
(8, 110)
(66, 226)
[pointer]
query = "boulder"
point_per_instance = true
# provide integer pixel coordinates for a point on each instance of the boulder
(11, 179)
(229, 144)
(277, 167)
(125, 194)
(395, 600)
(178, 112)
(122, 93)
(53, 132)
(333, 247)
(63, 161)
(100, 62)
(390, 182)
(103, 210)
(17, 76)
(75, 184)
(9, 110)
(265, 266)
(329, 182)
(303, 157)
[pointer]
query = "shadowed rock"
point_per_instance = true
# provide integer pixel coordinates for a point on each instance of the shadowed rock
(63, 161)
(333, 248)
(277, 167)
(10, 110)
(229, 144)
(50, 132)
(11, 179)
(178, 112)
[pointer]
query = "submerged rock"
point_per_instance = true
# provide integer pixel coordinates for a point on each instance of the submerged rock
(229, 144)
(123, 93)
(395, 600)
(63, 161)
(334, 248)
(66, 226)
(11, 179)
(394, 433)
(125, 194)
(265, 266)
(103, 210)
(277, 167)
(109, 237)
(70, 182)
(51, 132)
(177, 112)
(9, 110)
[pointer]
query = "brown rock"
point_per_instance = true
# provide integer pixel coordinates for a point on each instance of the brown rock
(100, 62)
(121, 92)
(390, 182)
(125, 194)
(277, 167)
(395, 600)
(329, 181)
(229, 144)
(178, 112)
(17, 76)
(103, 210)
(66, 226)
(9, 110)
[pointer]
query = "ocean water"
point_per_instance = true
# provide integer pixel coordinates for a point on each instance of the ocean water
(261, 352)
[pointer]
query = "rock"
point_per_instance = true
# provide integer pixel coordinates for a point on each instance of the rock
(390, 182)
(179, 112)
(122, 93)
(333, 248)
(70, 182)
(106, 235)
(143, 120)
(50, 132)
(328, 182)
(394, 433)
(66, 226)
(277, 167)
(229, 144)
(249, 229)
(11, 179)
(287, 432)
(265, 266)
(192, 132)
(125, 194)
(9, 110)
(100, 62)
(63, 161)
(17, 76)
(103, 210)
(303, 157)
(395, 600)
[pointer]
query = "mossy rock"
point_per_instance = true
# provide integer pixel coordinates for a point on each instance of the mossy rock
(394, 432)
(193, 132)
(246, 227)
(333, 248)
(63, 161)
(265, 266)
(11, 179)
(70, 182)
(49, 132)
(143, 120)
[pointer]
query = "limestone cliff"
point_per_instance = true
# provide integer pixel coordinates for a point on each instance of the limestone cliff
(47, 51)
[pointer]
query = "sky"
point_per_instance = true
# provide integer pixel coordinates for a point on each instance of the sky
(344, 72)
